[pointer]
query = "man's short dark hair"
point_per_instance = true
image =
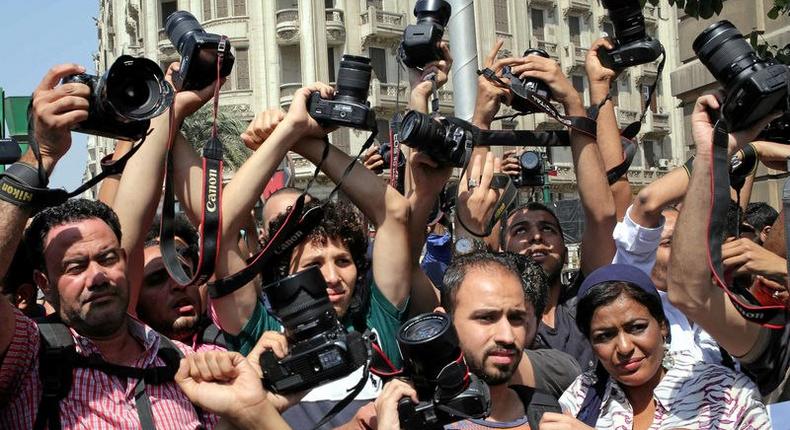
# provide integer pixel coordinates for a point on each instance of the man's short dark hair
(734, 217)
(530, 206)
(533, 282)
(71, 211)
(182, 229)
(759, 215)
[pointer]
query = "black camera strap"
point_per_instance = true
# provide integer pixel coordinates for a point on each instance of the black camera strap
(747, 305)
(211, 213)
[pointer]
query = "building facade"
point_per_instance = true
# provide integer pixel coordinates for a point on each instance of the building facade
(280, 45)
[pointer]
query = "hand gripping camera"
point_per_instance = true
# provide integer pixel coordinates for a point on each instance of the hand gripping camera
(421, 41)
(753, 87)
(350, 107)
(433, 360)
(632, 46)
(198, 51)
(444, 140)
(320, 348)
(124, 99)
(533, 85)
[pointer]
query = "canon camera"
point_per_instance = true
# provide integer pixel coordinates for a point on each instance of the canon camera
(421, 42)
(198, 51)
(350, 106)
(632, 45)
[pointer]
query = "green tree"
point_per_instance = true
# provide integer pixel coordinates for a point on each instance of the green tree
(197, 130)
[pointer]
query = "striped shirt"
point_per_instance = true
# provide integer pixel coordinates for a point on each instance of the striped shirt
(96, 400)
(691, 395)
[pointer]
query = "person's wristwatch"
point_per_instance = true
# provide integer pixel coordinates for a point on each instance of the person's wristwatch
(467, 245)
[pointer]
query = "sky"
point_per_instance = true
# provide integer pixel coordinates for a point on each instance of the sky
(37, 35)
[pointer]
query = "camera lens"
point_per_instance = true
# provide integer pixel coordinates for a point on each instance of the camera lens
(353, 79)
(529, 160)
(136, 90)
(627, 19)
(428, 343)
(301, 303)
(725, 52)
(433, 11)
(179, 25)
(419, 130)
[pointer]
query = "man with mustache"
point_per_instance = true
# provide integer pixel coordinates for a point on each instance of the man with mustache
(82, 268)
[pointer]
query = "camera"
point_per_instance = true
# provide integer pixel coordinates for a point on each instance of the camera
(433, 360)
(124, 99)
(632, 46)
(421, 41)
(753, 87)
(198, 51)
(777, 130)
(10, 151)
(350, 107)
(533, 85)
(385, 151)
(531, 175)
(320, 349)
(445, 140)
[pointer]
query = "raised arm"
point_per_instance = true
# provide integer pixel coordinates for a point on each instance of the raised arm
(689, 284)
(56, 109)
(140, 188)
(597, 247)
(608, 134)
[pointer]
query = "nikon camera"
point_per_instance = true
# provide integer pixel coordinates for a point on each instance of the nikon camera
(421, 42)
(320, 350)
(448, 391)
(350, 107)
(522, 86)
(124, 99)
(444, 140)
(198, 51)
(632, 45)
(753, 87)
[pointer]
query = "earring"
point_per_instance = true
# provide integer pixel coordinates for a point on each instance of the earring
(668, 361)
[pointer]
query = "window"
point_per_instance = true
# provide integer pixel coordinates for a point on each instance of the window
(383, 134)
(330, 56)
(575, 29)
(656, 150)
(242, 69)
(578, 84)
(501, 16)
(291, 70)
(615, 90)
(239, 7)
(378, 59)
(378, 4)
(168, 7)
(222, 8)
(329, 4)
(643, 96)
(206, 10)
(287, 4)
(536, 16)
(559, 154)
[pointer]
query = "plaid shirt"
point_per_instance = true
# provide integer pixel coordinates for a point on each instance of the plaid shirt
(96, 400)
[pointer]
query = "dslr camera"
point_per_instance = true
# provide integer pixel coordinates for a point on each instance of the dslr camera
(198, 51)
(421, 41)
(385, 151)
(448, 391)
(445, 140)
(531, 174)
(350, 107)
(519, 87)
(753, 87)
(632, 46)
(124, 99)
(320, 348)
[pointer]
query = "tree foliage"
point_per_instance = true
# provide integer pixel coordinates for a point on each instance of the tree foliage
(197, 130)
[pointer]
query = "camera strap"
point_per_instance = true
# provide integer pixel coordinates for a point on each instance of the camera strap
(748, 306)
(211, 214)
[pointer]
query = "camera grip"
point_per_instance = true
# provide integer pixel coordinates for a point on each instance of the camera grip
(604, 58)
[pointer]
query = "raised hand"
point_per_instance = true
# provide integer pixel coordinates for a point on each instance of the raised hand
(262, 127)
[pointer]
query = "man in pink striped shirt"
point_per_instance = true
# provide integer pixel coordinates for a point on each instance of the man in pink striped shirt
(81, 268)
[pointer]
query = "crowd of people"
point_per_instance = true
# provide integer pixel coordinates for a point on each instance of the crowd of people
(641, 337)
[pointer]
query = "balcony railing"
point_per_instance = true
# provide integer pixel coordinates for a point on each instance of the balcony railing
(579, 55)
(550, 48)
(626, 116)
(651, 13)
(660, 122)
(335, 27)
(386, 94)
(507, 43)
(287, 26)
(287, 92)
(378, 23)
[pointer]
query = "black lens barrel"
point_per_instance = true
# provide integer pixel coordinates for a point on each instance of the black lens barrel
(724, 51)
(438, 11)
(353, 79)
(179, 25)
(301, 299)
(428, 343)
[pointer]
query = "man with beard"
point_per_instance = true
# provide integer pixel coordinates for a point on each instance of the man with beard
(81, 267)
(495, 313)
(532, 229)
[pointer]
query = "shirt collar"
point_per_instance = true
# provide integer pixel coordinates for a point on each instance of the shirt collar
(139, 331)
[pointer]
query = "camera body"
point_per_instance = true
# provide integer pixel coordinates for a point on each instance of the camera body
(320, 348)
(198, 51)
(445, 140)
(531, 174)
(350, 107)
(446, 389)
(520, 86)
(753, 87)
(632, 44)
(421, 41)
(385, 151)
(777, 131)
(124, 99)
